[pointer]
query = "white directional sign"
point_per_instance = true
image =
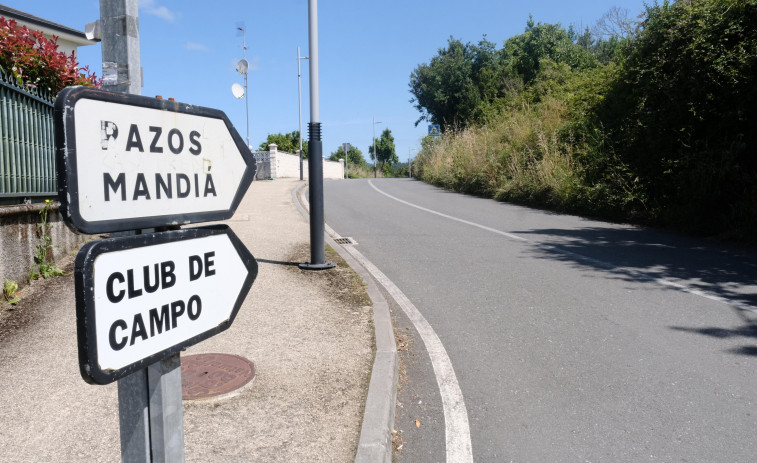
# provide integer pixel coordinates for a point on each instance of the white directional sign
(142, 298)
(128, 162)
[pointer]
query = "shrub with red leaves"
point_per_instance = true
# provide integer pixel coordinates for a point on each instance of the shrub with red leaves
(35, 62)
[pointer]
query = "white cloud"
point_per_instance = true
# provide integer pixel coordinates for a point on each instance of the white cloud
(194, 46)
(150, 7)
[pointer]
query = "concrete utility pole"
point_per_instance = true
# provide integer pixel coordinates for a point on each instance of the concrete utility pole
(119, 26)
(150, 413)
(315, 155)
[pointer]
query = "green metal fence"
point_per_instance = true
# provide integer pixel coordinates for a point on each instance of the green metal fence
(27, 144)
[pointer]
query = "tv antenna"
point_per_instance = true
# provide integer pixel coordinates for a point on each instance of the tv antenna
(242, 67)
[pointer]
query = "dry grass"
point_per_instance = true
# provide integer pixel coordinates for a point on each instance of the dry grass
(518, 156)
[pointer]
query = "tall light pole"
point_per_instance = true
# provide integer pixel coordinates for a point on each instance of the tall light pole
(375, 158)
(299, 100)
(315, 155)
(242, 68)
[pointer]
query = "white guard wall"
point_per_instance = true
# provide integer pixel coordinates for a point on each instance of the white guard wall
(287, 165)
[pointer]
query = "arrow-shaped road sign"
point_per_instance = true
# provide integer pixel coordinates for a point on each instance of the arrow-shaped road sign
(127, 162)
(142, 298)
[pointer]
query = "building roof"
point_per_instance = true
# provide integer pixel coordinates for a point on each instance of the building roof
(72, 35)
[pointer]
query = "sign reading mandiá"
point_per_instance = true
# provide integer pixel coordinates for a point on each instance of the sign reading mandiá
(127, 162)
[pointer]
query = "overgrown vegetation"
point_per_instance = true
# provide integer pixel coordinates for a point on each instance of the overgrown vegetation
(383, 155)
(43, 250)
(649, 119)
(35, 62)
(10, 292)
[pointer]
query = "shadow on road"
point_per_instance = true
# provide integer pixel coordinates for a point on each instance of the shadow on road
(749, 330)
(633, 254)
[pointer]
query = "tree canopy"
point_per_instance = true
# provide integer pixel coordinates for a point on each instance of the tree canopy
(452, 89)
(354, 156)
(385, 152)
(289, 142)
(465, 84)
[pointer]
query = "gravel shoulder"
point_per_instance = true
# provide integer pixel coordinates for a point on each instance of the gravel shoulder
(310, 335)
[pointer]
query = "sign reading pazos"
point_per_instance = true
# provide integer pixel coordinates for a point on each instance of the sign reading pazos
(142, 298)
(127, 162)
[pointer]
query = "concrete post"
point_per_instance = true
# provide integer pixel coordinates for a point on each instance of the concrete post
(273, 151)
(119, 24)
(150, 413)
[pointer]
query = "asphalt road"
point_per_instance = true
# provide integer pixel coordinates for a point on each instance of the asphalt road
(571, 339)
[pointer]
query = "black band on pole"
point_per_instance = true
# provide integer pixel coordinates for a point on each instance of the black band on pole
(317, 220)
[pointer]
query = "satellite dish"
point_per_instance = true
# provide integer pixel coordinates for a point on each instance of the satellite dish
(242, 66)
(237, 90)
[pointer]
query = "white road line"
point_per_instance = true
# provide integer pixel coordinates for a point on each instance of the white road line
(457, 219)
(630, 272)
(456, 427)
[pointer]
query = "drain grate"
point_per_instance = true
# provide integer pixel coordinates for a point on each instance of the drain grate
(346, 241)
(212, 375)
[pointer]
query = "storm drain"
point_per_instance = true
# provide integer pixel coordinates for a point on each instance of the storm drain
(205, 376)
(345, 241)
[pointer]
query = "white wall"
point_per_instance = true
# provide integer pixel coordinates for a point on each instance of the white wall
(287, 165)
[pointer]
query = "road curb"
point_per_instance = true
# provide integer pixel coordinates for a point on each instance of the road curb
(375, 443)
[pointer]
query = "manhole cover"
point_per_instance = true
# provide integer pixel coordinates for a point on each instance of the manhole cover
(204, 376)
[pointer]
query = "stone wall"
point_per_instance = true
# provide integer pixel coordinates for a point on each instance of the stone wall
(19, 235)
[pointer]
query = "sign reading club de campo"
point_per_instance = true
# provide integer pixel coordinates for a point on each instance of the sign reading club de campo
(127, 162)
(142, 298)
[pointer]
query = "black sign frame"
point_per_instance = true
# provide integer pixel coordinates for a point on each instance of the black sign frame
(85, 300)
(65, 146)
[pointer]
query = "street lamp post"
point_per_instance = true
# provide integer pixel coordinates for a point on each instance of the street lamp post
(299, 99)
(375, 158)
(315, 154)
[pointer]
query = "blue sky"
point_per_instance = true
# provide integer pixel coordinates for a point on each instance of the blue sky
(189, 50)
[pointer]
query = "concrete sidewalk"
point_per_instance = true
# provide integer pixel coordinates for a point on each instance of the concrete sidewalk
(312, 345)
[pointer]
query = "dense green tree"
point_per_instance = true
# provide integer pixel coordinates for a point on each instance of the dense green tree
(289, 142)
(525, 53)
(454, 88)
(354, 156)
(680, 115)
(385, 152)
(465, 84)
